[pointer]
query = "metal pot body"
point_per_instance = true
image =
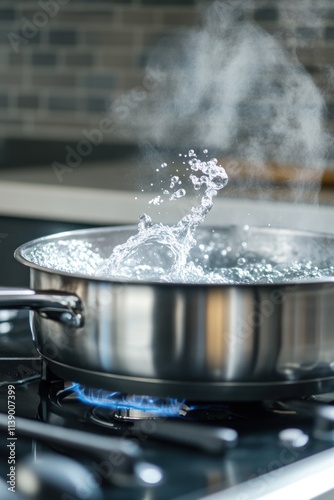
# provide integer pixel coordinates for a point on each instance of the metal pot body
(201, 342)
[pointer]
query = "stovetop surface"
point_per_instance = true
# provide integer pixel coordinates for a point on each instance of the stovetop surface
(188, 471)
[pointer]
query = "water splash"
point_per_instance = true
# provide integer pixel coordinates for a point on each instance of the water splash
(172, 253)
(167, 248)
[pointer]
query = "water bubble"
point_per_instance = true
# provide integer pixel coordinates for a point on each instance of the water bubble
(163, 165)
(173, 181)
(241, 261)
(178, 194)
(246, 227)
(205, 151)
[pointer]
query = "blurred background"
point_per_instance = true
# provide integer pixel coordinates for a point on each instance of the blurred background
(66, 67)
(64, 62)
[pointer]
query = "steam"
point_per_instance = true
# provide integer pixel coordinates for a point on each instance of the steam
(231, 87)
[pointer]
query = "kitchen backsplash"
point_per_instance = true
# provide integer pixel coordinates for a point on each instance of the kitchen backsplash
(63, 62)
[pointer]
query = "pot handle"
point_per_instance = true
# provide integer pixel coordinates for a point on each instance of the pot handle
(59, 306)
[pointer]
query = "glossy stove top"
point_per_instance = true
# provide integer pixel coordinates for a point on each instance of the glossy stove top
(188, 456)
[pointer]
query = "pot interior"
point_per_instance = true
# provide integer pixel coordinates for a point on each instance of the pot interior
(81, 253)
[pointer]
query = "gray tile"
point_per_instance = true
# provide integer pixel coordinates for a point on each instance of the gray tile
(330, 111)
(266, 14)
(53, 80)
(4, 101)
(86, 15)
(62, 37)
(99, 81)
(44, 59)
(28, 101)
(329, 33)
(328, 14)
(7, 14)
(60, 103)
(95, 104)
(115, 38)
(16, 38)
(18, 58)
(83, 59)
(306, 33)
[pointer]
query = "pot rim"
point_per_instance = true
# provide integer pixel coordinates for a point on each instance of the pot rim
(18, 254)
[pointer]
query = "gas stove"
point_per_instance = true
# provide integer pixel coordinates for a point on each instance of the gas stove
(69, 441)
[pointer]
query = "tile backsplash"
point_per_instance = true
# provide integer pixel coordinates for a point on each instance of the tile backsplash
(63, 62)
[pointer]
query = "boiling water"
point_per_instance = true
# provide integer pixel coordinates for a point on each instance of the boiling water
(176, 254)
(161, 252)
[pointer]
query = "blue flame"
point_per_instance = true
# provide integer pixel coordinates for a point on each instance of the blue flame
(164, 407)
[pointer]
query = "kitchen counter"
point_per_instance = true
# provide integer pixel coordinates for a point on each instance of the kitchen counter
(118, 192)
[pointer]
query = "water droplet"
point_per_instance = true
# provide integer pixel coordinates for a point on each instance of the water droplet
(178, 194)
(173, 181)
(241, 261)
(246, 227)
(205, 151)
(163, 165)
(156, 201)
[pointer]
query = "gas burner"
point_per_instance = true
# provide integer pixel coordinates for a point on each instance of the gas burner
(113, 409)
(126, 407)
(132, 413)
(109, 417)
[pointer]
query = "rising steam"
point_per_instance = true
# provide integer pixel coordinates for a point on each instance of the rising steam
(231, 87)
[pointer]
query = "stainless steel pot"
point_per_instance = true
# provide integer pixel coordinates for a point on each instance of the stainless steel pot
(203, 342)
